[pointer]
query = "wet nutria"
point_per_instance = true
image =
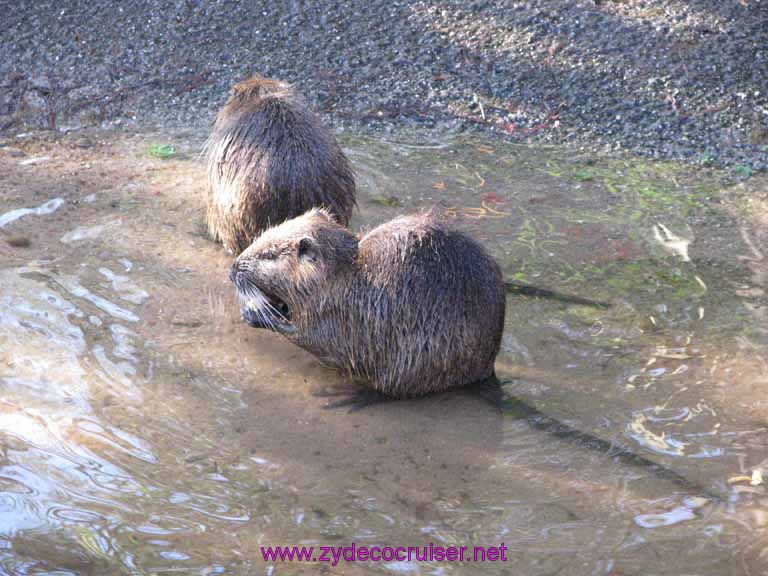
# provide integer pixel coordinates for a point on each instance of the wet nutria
(412, 306)
(270, 159)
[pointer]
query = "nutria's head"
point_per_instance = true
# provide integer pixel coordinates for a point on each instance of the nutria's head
(248, 93)
(282, 276)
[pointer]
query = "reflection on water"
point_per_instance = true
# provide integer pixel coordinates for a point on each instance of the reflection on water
(145, 430)
(57, 450)
(45, 208)
(687, 442)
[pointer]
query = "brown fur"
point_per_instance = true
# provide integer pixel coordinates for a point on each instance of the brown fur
(270, 159)
(413, 307)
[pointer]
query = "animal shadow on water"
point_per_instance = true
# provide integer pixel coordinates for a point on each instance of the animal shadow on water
(357, 396)
(352, 395)
(536, 292)
(517, 408)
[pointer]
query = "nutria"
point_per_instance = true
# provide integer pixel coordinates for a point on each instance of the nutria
(270, 159)
(412, 307)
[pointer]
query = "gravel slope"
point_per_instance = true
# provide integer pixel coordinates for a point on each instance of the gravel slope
(670, 79)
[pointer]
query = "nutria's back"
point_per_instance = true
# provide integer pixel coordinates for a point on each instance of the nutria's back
(434, 306)
(270, 159)
(413, 307)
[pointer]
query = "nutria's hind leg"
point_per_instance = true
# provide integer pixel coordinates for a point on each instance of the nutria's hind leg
(353, 395)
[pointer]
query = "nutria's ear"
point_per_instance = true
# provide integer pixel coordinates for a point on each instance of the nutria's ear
(307, 249)
(249, 87)
(323, 213)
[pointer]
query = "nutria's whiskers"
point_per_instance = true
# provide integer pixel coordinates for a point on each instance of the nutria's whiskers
(255, 300)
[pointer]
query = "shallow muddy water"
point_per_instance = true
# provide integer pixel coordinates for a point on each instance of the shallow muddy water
(145, 430)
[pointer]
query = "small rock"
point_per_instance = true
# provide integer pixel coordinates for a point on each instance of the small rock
(18, 241)
(83, 142)
(35, 160)
(14, 152)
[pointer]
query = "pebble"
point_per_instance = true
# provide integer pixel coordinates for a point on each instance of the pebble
(35, 160)
(14, 152)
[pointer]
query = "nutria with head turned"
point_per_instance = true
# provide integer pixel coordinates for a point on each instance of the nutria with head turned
(413, 306)
(270, 159)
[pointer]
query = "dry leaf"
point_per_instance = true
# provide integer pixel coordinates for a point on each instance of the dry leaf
(737, 479)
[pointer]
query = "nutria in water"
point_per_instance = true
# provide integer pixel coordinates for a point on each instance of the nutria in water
(412, 307)
(270, 159)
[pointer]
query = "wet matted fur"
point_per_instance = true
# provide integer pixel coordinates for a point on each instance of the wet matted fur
(413, 306)
(270, 159)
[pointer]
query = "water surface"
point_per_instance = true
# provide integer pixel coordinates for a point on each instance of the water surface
(145, 430)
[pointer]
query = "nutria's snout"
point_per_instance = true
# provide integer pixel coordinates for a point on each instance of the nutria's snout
(236, 273)
(258, 307)
(260, 310)
(268, 312)
(249, 317)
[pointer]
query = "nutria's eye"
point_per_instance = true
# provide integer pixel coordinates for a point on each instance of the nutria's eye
(307, 249)
(268, 255)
